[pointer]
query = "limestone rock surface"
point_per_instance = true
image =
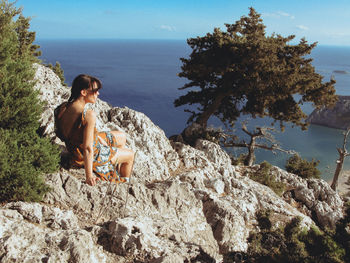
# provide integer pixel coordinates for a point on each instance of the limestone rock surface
(39, 233)
(315, 196)
(184, 204)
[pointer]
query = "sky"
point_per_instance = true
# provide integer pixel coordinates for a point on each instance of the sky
(324, 21)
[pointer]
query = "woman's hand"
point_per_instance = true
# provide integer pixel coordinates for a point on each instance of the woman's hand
(91, 180)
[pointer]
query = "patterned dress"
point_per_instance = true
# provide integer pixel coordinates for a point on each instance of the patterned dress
(104, 147)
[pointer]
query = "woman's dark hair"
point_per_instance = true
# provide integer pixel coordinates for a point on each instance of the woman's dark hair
(82, 82)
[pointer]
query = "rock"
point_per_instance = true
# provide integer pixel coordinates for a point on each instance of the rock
(170, 206)
(316, 195)
(143, 237)
(47, 235)
(337, 117)
(219, 158)
(51, 217)
(53, 93)
(156, 159)
(183, 204)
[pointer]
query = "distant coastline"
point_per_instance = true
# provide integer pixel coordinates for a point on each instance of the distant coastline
(340, 72)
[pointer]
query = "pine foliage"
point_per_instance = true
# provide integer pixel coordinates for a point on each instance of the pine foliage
(302, 167)
(24, 155)
(265, 176)
(244, 71)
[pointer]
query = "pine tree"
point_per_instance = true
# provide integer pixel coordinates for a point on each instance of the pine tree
(24, 155)
(244, 71)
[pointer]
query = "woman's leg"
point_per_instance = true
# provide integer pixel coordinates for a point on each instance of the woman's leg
(120, 138)
(125, 159)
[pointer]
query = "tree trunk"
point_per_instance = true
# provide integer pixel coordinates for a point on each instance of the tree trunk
(251, 156)
(204, 117)
(340, 162)
(342, 154)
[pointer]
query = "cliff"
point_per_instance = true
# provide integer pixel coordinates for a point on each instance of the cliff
(184, 204)
(337, 117)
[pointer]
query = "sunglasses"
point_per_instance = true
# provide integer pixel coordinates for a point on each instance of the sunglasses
(92, 90)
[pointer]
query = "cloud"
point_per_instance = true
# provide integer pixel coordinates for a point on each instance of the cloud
(278, 14)
(302, 27)
(285, 14)
(167, 28)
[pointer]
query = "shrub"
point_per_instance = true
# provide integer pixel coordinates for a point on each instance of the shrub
(239, 160)
(342, 232)
(264, 176)
(294, 244)
(23, 158)
(24, 155)
(302, 167)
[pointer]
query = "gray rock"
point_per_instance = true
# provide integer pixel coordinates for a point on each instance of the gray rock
(316, 195)
(51, 217)
(49, 235)
(337, 117)
(156, 159)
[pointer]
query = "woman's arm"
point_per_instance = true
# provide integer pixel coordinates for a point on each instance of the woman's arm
(88, 153)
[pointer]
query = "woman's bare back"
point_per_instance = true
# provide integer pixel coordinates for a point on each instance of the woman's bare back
(69, 119)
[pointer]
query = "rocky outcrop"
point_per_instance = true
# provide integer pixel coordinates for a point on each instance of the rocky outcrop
(314, 197)
(337, 117)
(39, 233)
(184, 204)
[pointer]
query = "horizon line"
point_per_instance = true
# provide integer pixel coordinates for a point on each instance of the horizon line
(146, 39)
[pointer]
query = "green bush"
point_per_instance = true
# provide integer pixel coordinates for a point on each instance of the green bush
(24, 155)
(342, 232)
(238, 160)
(294, 244)
(23, 158)
(264, 176)
(302, 167)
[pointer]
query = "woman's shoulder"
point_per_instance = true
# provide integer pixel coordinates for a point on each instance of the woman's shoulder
(87, 107)
(88, 112)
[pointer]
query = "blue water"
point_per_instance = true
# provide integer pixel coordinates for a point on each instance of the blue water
(142, 75)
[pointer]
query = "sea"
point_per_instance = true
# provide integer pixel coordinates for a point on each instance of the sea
(142, 75)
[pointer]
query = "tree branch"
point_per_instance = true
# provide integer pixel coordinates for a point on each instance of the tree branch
(272, 147)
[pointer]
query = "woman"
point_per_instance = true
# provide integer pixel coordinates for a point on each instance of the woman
(99, 152)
